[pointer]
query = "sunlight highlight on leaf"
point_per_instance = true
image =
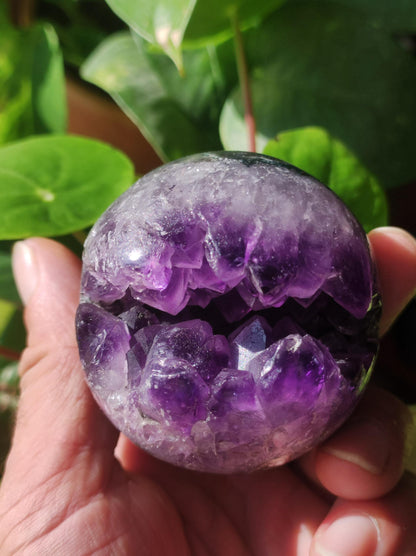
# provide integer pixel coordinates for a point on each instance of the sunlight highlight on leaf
(162, 23)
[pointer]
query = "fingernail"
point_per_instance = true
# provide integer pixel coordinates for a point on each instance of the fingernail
(362, 443)
(24, 270)
(349, 536)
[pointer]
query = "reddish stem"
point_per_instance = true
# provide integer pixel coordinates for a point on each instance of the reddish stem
(22, 12)
(244, 80)
(10, 354)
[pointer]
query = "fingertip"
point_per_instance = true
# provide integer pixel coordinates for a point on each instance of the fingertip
(57, 418)
(394, 252)
(25, 270)
(382, 526)
(365, 458)
(47, 277)
(397, 235)
(348, 535)
(350, 476)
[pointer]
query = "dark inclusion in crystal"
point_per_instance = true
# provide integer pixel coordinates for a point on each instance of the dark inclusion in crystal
(229, 313)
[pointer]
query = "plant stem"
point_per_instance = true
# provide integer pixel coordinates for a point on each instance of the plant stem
(244, 81)
(22, 12)
(10, 354)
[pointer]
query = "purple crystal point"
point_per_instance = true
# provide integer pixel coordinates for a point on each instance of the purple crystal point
(103, 344)
(291, 374)
(229, 314)
(174, 394)
(234, 389)
(248, 340)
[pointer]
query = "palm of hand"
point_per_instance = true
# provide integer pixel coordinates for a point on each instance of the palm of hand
(80, 499)
(65, 492)
(96, 507)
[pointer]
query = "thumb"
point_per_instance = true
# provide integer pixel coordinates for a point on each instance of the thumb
(57, 419)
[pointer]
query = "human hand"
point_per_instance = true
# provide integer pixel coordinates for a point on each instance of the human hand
(73, 485)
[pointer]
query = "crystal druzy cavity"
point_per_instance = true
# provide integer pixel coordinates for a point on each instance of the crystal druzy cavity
(228, 317)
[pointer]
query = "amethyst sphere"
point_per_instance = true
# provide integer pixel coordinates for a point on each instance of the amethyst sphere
(229, 313)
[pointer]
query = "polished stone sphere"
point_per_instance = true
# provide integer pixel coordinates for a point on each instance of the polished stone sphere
(229, 312)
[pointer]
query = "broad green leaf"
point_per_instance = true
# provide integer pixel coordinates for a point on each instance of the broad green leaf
(32, 86)
(54, 185)
(330, 67)
(48, 82)
(162, 22)
(313, 150)
(213, 20)
(197, 22)
(15, 88)
(178, 115)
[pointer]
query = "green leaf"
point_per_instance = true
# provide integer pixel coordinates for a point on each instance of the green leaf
(197, 22)
(314, 151)
(54, 185)
(162, 22)
(211, 21)
(178, 115)
(32, 85)
(48, 82)
(330, 67)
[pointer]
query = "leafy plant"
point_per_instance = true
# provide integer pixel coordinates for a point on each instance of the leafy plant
(324, 63)
(327, 85)
(32, 95)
